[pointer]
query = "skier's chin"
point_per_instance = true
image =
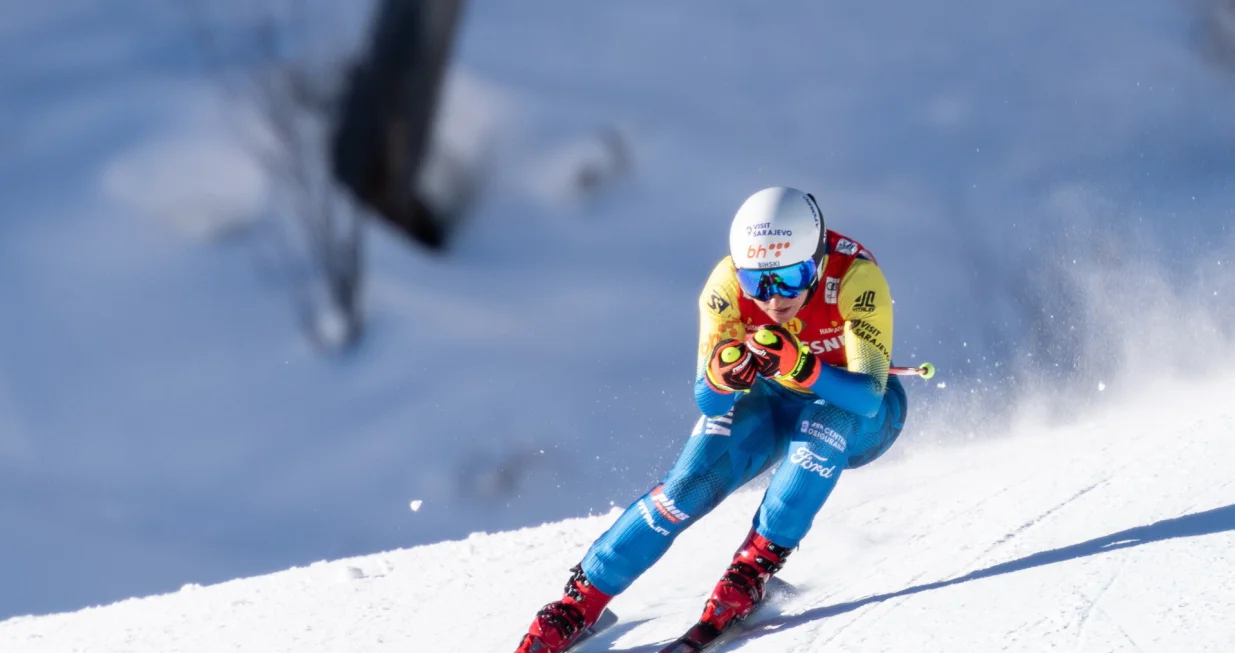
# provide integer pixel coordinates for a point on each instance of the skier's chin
(783, 315)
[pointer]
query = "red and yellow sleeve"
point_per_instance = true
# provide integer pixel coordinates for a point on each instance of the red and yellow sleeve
(866, 304)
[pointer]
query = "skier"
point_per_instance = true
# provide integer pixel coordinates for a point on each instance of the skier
(794, 350)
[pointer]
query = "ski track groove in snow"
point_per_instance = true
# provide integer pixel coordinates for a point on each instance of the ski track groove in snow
(1127, 636)
(1093, 603)
(1031, 523)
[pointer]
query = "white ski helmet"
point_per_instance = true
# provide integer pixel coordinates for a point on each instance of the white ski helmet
(777, 227)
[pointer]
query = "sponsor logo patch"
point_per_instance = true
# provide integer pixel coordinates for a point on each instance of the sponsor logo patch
(867, 332)
(825, 433)
(846, 247)
(826, 345)
(810, 462)
(765, 229)
(764, 251)
(814, 208)
(831, 290)
(865, 302)
(724, 331)
(647, 517)
(665, 506)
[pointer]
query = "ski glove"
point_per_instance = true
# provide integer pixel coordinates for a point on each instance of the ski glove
(731, 367)
(780, 354)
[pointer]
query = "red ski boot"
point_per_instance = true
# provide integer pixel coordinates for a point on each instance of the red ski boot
(558, 625)
(741, 588)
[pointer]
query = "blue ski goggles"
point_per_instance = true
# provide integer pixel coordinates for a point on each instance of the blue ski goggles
(789, 281)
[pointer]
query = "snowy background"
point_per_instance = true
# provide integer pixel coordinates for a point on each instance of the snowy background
(1046, 185)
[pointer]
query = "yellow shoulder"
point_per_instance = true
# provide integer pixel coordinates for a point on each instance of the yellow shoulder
(719, 298)
(719, 317)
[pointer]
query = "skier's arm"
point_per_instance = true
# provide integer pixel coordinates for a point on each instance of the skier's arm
(866, 305)
(718, 319)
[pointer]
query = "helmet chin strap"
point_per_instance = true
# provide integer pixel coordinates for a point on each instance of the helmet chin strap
(820, 256)
(810, 292)
(821, 249)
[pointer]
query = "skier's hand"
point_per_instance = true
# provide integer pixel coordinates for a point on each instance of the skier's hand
(780, 353)
(731, 367)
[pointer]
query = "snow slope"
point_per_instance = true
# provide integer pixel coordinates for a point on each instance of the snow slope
(1115, 534)
(1045, 182)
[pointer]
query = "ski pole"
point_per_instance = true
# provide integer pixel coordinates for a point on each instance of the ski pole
(926, 371)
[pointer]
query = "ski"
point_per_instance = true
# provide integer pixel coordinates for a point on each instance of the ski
(606, 620)
(703, 636)
(697, 639)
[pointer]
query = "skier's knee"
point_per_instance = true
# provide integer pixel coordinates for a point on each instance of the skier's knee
(690, 492)
(878, 434)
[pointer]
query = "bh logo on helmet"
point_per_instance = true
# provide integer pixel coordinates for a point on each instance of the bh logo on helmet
(759, 251)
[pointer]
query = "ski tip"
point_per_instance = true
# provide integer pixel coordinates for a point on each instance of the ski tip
(777, 588)
(605, 620)
(699, 637)
(681, 646)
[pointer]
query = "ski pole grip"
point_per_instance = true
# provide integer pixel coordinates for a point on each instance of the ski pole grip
(926, 371)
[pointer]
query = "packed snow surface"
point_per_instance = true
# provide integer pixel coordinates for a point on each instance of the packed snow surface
(1116, 534)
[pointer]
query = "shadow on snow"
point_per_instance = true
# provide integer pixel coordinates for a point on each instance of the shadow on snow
(1196, 524)
(1202, 523)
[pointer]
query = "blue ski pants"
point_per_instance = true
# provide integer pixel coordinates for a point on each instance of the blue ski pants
(813, 440)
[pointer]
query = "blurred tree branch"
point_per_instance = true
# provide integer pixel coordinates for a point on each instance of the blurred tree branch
(318, 238)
